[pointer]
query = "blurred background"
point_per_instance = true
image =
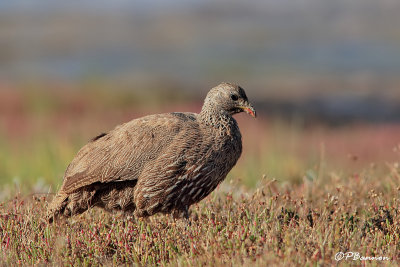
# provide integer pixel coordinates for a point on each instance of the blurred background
(323, 76)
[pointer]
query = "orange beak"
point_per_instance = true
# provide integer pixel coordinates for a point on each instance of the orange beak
(249, 110)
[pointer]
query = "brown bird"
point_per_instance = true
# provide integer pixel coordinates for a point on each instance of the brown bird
(158, 163)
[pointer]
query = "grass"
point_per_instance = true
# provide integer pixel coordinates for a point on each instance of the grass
(297, 197)
(278, 224)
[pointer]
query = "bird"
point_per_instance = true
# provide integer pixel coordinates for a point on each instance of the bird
(160, 163)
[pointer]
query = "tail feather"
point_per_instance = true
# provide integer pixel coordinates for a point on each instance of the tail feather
(57, 206)
(109, 196)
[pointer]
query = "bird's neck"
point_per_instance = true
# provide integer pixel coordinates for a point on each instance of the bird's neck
(218, 119)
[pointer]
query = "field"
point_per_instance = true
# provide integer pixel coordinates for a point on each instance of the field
(299, 195)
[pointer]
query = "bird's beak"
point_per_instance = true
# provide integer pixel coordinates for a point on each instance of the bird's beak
(249, 109)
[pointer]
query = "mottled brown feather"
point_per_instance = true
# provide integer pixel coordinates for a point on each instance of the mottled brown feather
(122, 153)
(157, 163)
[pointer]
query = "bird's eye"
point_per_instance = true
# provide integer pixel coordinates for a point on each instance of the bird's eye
(234, 97)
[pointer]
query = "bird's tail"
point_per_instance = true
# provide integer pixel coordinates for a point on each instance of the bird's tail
(56, 207)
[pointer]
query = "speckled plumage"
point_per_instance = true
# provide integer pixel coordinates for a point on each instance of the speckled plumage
(158, 163)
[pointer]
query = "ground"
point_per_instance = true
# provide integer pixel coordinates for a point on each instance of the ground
(303, 224)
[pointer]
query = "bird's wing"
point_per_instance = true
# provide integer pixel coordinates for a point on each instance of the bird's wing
(123, 153)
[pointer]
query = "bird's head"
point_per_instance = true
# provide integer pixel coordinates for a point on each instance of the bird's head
(230, 98)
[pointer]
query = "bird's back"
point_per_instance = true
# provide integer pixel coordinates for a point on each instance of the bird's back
(173, 159)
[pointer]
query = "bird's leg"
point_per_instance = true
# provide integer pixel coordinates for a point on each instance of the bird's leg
(186, 214)
(127, 216)
(182, 214)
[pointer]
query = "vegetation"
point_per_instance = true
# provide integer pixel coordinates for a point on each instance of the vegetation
(278, 224)
(297, 197)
